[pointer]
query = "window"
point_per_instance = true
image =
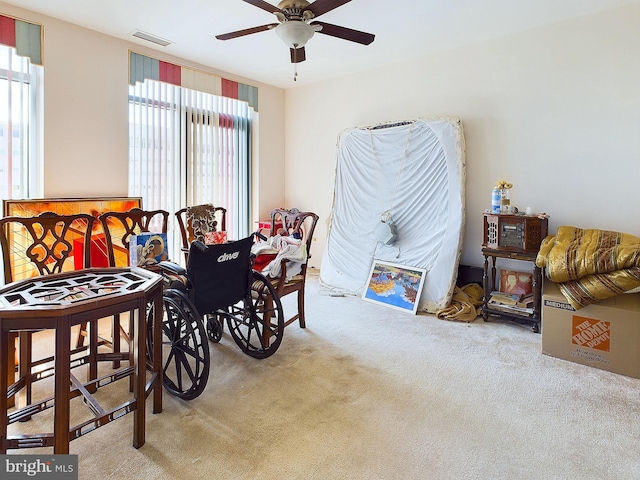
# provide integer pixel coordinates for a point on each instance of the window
(186, 148)
(20, 126)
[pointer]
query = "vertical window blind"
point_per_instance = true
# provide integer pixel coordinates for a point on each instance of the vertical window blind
(20, 126)
(188, 147)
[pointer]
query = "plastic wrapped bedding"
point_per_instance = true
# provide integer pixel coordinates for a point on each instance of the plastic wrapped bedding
(412, 174)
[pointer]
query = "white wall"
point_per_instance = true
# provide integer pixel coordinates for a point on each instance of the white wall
(554, 110)
(86, 115)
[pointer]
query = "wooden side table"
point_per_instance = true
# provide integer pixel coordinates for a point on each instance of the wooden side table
(516, 237)
(489, 285)
(59, 302)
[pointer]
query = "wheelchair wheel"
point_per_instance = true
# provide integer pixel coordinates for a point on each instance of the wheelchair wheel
(215, 326)
(185, 349)
(257, 323)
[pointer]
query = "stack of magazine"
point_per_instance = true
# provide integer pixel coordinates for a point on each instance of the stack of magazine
(511, 303)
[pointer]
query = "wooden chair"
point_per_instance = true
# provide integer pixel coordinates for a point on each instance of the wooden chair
(293, 222)
(46, 244)
(196, 221)
(118, 227)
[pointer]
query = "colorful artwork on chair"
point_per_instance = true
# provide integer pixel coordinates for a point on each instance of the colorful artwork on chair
(147, 249)
(70, 206)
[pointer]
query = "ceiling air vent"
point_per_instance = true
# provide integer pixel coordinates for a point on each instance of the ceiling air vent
(151, 38)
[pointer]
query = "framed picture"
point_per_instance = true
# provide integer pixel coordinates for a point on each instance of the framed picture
(69, 206)
(24, 268)
(395, 286)
(512, 281)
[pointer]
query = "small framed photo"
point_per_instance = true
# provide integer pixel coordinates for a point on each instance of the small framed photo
(395, 286)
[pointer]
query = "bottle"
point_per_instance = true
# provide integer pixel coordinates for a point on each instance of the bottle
(505, 201)
(496, 196)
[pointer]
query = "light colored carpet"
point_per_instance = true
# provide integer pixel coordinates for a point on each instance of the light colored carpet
(367, 392)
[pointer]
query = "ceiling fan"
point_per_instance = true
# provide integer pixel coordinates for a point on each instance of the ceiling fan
(297, 25)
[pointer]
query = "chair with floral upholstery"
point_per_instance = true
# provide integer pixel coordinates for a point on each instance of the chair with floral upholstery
(197, 221)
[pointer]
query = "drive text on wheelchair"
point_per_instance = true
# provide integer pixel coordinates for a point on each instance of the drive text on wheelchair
(228, 256)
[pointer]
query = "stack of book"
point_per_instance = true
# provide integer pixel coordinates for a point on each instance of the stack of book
(515, 303)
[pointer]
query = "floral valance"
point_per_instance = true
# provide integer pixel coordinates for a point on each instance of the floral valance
(142, 67)
(25, 37)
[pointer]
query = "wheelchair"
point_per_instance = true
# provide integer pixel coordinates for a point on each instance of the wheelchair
(218, 285)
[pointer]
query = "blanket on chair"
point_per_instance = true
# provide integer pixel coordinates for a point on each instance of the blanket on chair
(285, 248)
(590, 265)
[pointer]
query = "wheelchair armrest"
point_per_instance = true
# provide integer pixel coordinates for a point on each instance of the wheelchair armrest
(171, 267)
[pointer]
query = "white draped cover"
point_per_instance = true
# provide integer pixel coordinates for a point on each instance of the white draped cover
(416, 171)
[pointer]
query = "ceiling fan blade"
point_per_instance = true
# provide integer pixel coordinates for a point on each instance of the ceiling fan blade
(346, 33)
(298, 55)
(323, 6)
(246, 31)
(263, 5)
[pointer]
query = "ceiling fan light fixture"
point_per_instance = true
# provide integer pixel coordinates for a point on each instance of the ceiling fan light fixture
(295, 33)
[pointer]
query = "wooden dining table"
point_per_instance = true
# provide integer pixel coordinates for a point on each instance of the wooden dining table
(59, 302)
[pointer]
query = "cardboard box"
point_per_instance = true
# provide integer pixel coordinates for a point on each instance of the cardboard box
(215, 238)
(603, 335)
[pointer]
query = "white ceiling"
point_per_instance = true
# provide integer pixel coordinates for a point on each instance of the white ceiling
(403, 30)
